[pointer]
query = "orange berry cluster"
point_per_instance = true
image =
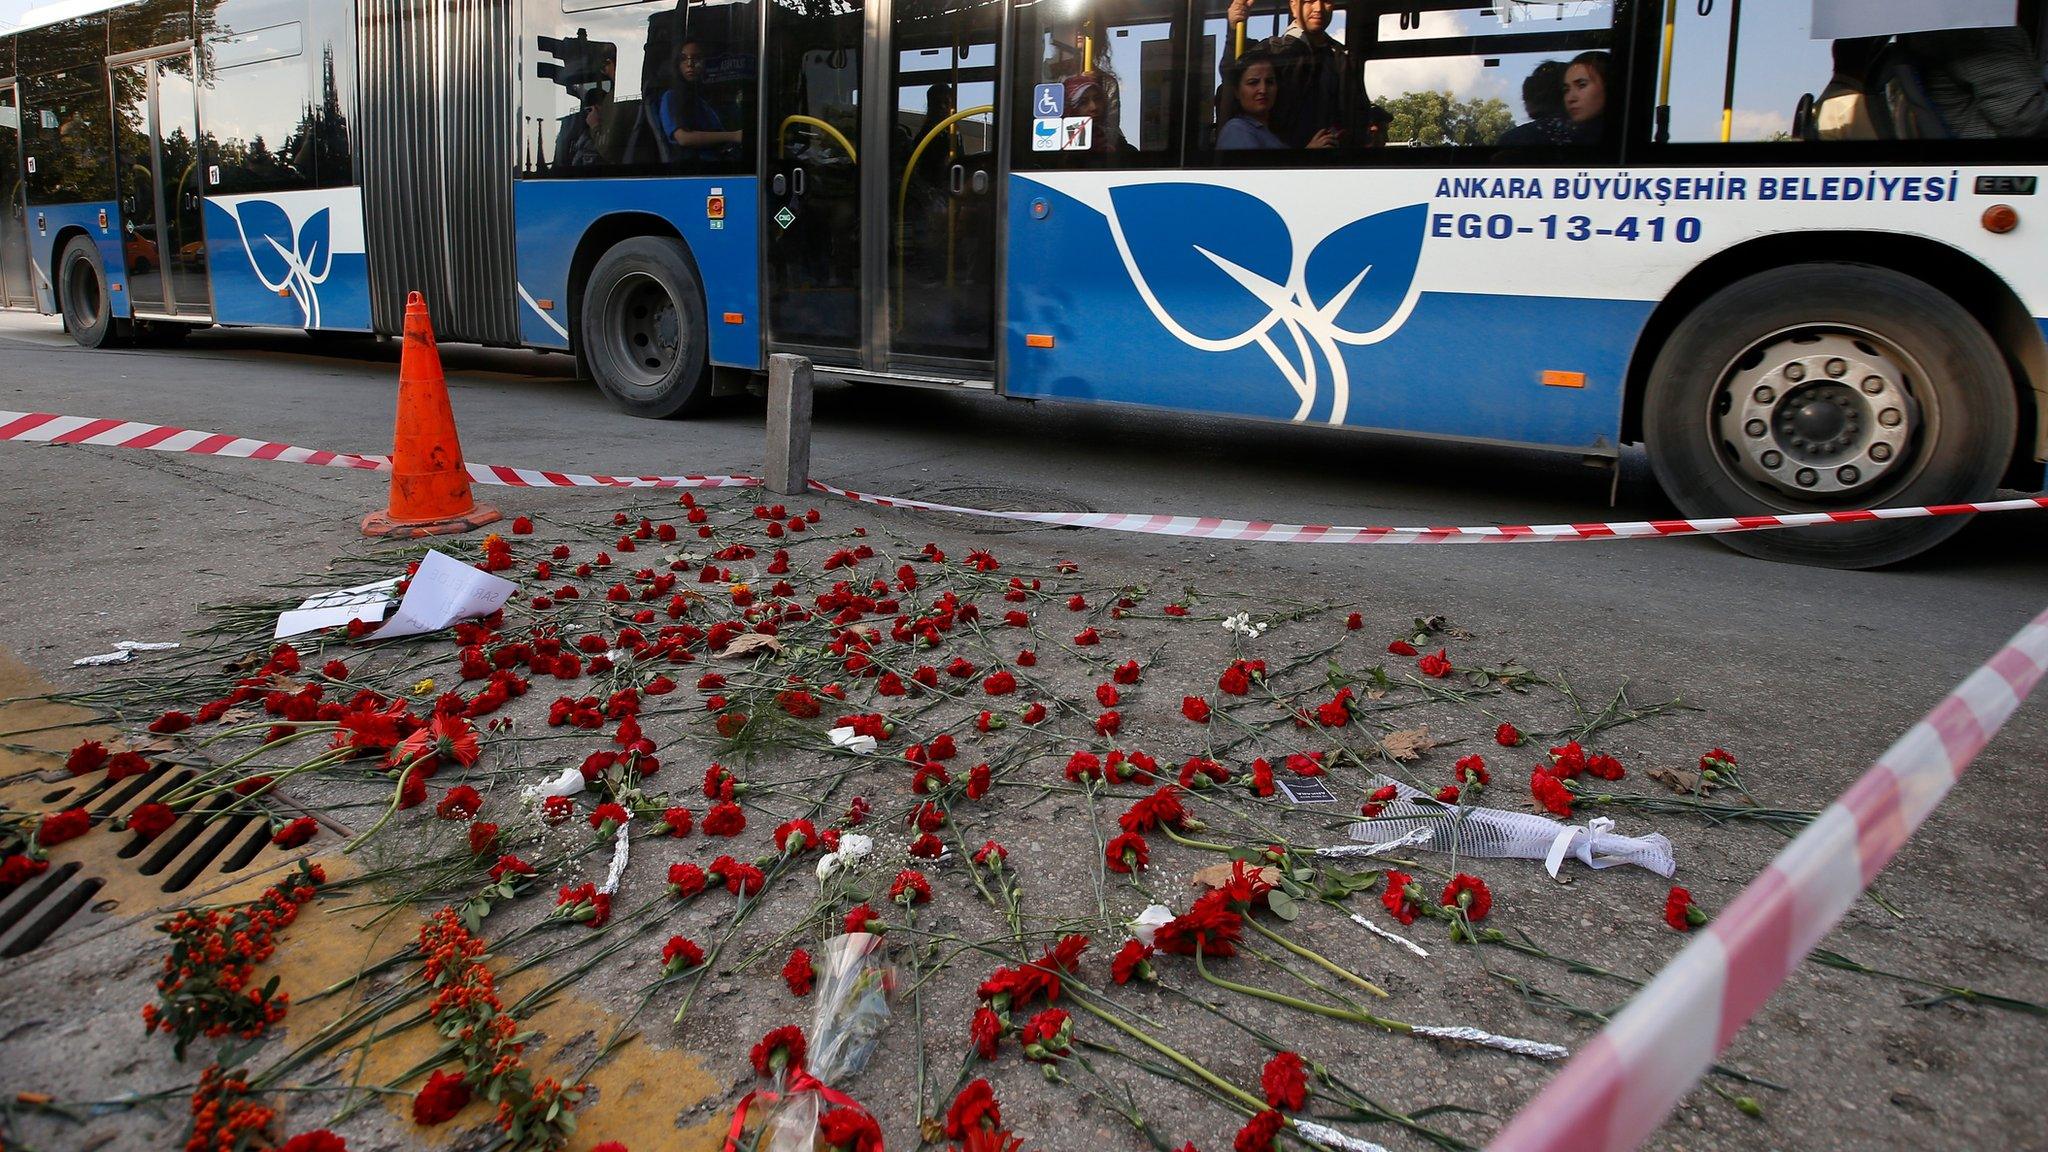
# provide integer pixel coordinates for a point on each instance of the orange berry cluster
(206, 988)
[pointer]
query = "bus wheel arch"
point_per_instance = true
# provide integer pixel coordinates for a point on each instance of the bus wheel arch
(1977, 289)
(83, 287)
(638, 318)
(1827, 386)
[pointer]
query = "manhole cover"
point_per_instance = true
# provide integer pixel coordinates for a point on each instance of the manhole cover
(998, 498)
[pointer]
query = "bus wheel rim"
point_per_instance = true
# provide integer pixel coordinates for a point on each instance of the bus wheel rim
(1821, 415)
(644, 329)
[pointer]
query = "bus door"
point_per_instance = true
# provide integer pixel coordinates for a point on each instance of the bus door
(880, 206)
(157, 158)
(17, 284)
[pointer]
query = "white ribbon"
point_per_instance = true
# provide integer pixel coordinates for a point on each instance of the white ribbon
(569, 783)
(1383, 934)
(621, 852)
(1324, 1137)
(1352, 851)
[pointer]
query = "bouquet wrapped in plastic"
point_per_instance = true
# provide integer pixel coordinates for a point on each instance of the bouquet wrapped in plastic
(800, 1108)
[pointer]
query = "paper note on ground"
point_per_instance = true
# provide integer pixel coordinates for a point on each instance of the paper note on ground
(1309, 790)
(335, 609)
(443, 591)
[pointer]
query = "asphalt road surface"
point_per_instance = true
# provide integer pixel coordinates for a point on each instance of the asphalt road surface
(1811, 673)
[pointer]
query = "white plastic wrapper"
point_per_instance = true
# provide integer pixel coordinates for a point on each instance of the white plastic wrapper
(1494, 832)
(850, 1011)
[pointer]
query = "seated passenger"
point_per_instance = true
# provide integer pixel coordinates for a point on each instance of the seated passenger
(688, 120)
(1093, 95)
(1585, 97)
(576, 144)
(1543, 100)
(1251, 88)
(1842, 111)
(1321, 95)
(1985, 83)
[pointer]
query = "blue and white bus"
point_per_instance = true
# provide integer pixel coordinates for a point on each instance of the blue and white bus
(1793, 251)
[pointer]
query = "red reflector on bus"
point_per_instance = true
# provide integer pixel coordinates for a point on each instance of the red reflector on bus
(1037, 340)
(1556, 379)
(735, 318)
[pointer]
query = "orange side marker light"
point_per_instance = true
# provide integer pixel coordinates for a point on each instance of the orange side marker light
(1555, 379)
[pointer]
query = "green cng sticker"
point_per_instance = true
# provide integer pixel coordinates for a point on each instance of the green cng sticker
(784, 217)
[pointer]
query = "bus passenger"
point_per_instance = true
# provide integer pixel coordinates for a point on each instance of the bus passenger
(1250, 85)
(1842, 112)
(576, 145)
(1985, 82)
(1543, 100)
(687, 119)
(1585, 96)
(1321, 97)
(1093, 95)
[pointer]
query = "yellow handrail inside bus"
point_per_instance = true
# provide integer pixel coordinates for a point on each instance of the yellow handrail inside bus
(903, 192)
(903, 189)
(1663, 126)
(782, 134)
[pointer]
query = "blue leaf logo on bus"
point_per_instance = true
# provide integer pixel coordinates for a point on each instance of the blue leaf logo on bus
(288, 258)
(1218, 269)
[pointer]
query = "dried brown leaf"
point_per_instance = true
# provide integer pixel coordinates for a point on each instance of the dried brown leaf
(1682, 781)
(748, 643)
(1218, 875)
(1407, 744)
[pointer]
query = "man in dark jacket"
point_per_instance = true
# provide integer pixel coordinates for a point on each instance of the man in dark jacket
(1322, 98)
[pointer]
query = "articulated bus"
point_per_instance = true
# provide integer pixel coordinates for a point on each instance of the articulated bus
(1795, 252)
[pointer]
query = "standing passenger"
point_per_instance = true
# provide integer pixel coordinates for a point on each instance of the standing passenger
(1322, 100)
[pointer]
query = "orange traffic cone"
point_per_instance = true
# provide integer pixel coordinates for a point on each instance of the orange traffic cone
(429, 484)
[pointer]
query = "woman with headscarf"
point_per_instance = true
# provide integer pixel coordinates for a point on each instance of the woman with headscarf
(1094, 95)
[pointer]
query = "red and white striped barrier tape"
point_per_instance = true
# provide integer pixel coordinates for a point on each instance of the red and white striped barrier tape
(1619, 1088)
(1260, 531)
(47, 428)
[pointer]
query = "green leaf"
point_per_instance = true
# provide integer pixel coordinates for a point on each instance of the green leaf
(1283, 905)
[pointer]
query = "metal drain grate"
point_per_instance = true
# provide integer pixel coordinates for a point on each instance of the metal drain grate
(207, 847)
(995, 498)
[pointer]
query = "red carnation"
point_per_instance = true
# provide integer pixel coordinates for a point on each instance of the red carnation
(1195, 708)
(1448, 794)
(978, 781)
(1132, 961)
(678, 821)
(725, 819)
(151, 819)
(1470, 893)
(122, 765)
(1550, 792)
(1354, 622)
(318, 1140)
(1436, 665)
(460, 803)
(90, 756)
(910, 888)
(685, 879)
(170, 722)
(1507, 735)
(1681, 913)
(1471, 772)
(861, 918)
(1258, 1134)
(1000, 683)
(1046, 1036)
(781, 1048)
(58, 827)
(440, 1099)
(985, 1032)
(481, 836)
(1127, 853)
(1401, 648)
(798, 973)
(1285, 1081)
(974, 1110)
(847, 1129)
(1399, 901)
(18, 869)
(680, 954)
(1234, 682)
(1211, 925)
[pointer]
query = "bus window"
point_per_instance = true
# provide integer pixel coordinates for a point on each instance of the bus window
(1831, 72)
(650, 89)
(1100, 84)
(65, 133)
(259, 115)
(1507, 76)
(149, 24)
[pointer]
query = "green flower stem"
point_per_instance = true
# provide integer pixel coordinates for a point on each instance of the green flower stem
(1282, 998)
(1316, 958)
(397, 794)
(1204, 845)
(1201, 1073)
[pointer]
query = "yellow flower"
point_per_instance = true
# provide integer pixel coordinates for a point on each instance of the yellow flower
(423, 687)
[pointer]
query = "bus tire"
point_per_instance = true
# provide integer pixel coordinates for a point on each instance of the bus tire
(643, 331)
(83, 298)
(1830, 387)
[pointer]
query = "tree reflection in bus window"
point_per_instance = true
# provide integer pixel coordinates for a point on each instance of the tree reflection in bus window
(1117, 66)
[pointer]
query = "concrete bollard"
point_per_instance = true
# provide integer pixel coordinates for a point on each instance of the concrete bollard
(788, 468)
